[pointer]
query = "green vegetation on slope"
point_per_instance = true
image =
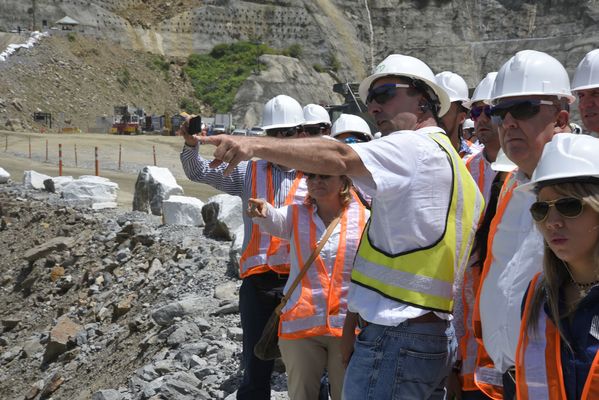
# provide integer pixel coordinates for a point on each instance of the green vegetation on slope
(217, 76)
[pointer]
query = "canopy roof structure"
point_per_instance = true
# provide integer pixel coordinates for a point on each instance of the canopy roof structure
(67, 21)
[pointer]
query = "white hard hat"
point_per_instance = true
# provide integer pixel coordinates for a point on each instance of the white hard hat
(483, 90)
(468, 124)
(567, 158)
(378, 135)
(586, 75)
(351, 123)
(315, 114)
(502, 163)
(282, 112)
(410, 67)
(532, 72)
(455, 86)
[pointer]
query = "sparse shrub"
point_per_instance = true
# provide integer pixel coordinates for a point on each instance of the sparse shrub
(71, 36)
(319, 68)
(124, 77)
(188, 105)
(295, 51)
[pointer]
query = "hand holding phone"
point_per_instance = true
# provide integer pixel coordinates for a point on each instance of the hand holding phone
(194, 125)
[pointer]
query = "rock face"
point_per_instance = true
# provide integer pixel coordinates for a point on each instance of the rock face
(183, 210)
(470, 37)
(283, 75)
(222, 215)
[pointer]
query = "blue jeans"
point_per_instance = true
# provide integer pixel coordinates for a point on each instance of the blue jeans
(410, 361)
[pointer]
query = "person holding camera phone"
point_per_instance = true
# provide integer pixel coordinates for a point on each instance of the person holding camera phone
(264, 264)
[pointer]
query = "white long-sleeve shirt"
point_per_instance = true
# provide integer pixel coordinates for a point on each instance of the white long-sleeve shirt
(517, 256)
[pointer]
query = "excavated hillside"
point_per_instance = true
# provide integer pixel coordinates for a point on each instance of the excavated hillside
(78, 78)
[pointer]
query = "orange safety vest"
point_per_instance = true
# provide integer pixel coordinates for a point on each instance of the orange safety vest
(318, 305)
(486, 377)
(263, 251)
(483, 175)
(539, 373)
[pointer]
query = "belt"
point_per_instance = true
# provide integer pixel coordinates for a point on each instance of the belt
(270, 274)
(423, 319)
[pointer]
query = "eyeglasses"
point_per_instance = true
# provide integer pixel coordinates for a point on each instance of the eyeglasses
(569, 207)
(312, 176)
(476, 112)
(285, 132)
(384, 93)
(519, 109)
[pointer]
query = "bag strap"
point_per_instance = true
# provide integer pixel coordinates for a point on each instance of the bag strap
(307, 264)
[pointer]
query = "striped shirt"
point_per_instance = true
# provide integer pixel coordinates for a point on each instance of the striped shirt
(238, 183)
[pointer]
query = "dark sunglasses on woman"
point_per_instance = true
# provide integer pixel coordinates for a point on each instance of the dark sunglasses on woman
(519, 109)
(569, 207)
(312, 176)
(383, 93)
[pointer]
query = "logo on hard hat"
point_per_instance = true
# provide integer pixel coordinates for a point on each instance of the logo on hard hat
(379, 68)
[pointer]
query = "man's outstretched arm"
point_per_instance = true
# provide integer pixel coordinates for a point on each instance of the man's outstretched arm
(315, 155)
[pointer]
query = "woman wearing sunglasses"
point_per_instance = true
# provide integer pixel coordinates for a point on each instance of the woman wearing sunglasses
(557, 355)
(312, 321)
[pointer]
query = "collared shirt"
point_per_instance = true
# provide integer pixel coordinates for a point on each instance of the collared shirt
(238, 183)
(410, 183)
(517, 251)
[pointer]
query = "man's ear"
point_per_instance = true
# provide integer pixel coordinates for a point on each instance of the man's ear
(562, 121)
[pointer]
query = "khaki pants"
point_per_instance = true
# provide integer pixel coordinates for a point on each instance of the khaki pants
(305, 361)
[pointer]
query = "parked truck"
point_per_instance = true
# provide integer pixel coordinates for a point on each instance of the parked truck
(223, 121)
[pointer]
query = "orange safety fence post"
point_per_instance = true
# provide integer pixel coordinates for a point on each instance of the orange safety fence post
(120, 156)
(46, 150)
(97, 164)
(154, 151)
(76, 155)
(59, 159)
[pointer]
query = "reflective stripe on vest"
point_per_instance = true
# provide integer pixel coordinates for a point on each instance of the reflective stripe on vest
(424, 277)
(482, 173)
(319, 304)
(539, 373)
(468, 345)
(486, 377)
(263, 251)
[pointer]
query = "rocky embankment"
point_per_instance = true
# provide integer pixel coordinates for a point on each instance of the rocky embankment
(113, 305)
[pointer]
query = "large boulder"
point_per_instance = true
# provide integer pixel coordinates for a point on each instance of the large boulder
(55, 185)
(4, 175)
(235, 252)
(223, 216)
(182, 210)
(93, 190)
(153, 186)
(34, 180)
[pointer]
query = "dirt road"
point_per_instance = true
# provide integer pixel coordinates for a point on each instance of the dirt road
(136, 152)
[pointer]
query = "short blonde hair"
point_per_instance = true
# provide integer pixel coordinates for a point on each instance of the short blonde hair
(345, 193)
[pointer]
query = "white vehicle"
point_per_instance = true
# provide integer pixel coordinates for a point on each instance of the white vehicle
(239, 132)
(256, 131)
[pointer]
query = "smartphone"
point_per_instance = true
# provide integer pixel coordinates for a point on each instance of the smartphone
(195, 125)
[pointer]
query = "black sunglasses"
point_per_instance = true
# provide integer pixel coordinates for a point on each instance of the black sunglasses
(519, 109)
(312, 176)
(285, 132)
(315, 130)
(569, 207)
(476, 112)
(384, 93)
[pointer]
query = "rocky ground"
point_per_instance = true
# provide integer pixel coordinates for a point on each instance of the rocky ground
(113, 305)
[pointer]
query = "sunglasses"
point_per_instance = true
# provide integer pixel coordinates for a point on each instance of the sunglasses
(314, 130)
(312, 176)
(569, 207)
(384, 93)
(519, 109)
(476, 112)
(284, 132)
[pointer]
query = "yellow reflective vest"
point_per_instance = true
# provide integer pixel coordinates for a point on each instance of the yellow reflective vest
(424, 277)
